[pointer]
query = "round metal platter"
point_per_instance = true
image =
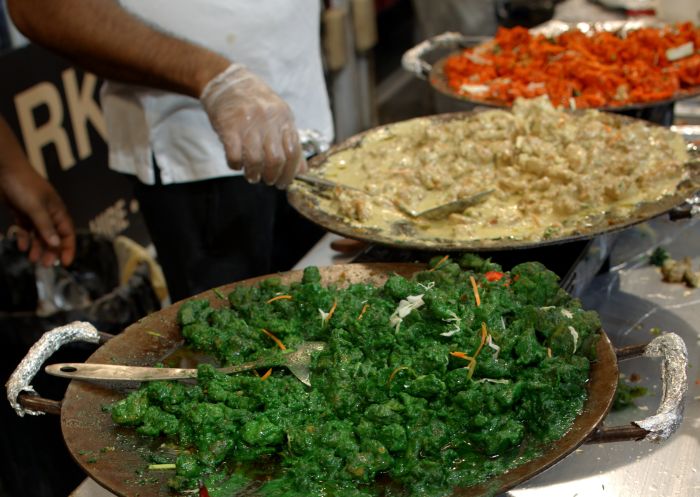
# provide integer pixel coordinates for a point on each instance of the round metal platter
(116, 456)
(438, 80)
(306, 200)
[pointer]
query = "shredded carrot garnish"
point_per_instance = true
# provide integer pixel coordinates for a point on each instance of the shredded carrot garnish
(493, 275)
(549, 352)
(330, 313)
(266, 375)
(362, 312)
(471, 368)
(484, 334)
(472, 360)
(277, 340)
(395, 371)
(476, 291)
(279, 297)
(439, 263)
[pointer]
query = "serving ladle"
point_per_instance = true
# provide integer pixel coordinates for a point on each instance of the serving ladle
(297, 361)
(433, 214)
(444, 210)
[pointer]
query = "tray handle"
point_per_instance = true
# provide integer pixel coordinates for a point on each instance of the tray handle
(688, 209)
(413, 60)
(312, 142)
(674, 384)
(50, 342)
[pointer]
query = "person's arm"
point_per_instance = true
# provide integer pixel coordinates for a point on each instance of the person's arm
(106, 39)
(45, 227)
(254, 124)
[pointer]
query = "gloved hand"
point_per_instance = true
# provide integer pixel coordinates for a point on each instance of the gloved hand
(255, 126)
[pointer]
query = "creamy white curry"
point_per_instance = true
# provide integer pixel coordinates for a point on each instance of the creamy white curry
(553, 172)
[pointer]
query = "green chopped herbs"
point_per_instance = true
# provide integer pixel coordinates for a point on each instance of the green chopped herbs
(658, 256)
(441, 380)
(626, 393)
(655, 331)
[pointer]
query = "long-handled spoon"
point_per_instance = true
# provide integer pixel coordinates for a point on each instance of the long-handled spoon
(297, 361)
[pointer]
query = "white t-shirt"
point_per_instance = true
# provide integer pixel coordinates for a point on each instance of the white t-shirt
(279, 40)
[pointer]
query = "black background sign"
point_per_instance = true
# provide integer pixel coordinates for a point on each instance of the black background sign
(53, 107)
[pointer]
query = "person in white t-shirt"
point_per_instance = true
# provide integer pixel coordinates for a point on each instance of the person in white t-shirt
(202, 105)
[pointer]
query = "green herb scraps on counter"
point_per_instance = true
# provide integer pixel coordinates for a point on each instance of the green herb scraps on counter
(626, 393)
(438, 381)
(659, 256)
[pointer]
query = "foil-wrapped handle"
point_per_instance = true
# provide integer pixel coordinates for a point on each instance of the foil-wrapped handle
(674, 383)
(50, 342)
(414, 59)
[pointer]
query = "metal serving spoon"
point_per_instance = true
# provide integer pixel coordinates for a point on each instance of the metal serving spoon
(439, 212)
(433, 214)
(326, 183)
(297, 361)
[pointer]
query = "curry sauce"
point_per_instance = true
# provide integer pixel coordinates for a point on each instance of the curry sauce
(553, 173)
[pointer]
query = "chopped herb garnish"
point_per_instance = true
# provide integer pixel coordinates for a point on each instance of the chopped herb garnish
(659, 256)
(447, 369)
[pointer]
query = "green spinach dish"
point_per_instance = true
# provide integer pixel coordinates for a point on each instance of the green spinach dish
(427, 383)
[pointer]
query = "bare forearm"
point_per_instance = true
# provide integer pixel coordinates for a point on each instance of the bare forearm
(45, 228)
(106, 39)
(11, 153)
(256, 127)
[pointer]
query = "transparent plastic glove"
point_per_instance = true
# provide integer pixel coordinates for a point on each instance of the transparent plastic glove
(255, 126)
